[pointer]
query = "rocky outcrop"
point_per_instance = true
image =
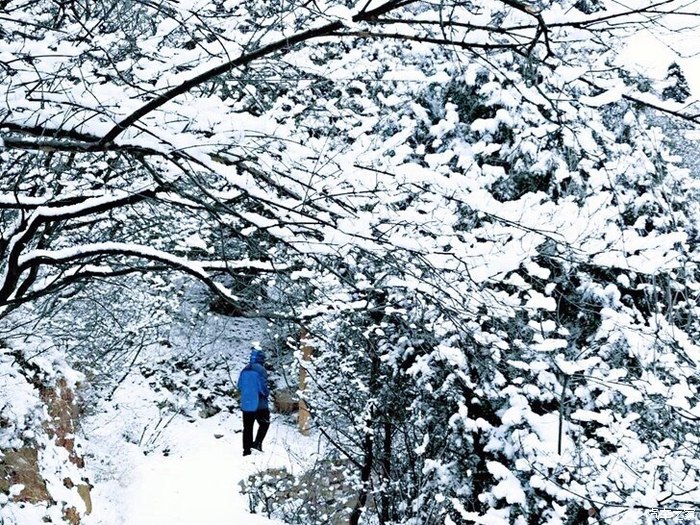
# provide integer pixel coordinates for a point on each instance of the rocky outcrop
(64, 411)
(43, 466)
(20, 467)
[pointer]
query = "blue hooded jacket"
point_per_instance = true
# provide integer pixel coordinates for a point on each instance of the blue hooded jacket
(252, 383)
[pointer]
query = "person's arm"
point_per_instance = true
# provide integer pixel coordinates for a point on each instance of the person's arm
(240, 377)
(262, 376)
(263, 388)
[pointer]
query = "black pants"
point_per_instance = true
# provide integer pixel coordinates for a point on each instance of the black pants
(263, 419)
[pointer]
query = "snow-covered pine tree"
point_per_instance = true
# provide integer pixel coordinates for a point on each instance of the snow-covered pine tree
(677, 88)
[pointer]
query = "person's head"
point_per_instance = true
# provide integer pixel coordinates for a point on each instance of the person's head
(257, 356)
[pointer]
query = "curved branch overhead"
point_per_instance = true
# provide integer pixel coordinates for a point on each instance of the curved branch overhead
(365, 19)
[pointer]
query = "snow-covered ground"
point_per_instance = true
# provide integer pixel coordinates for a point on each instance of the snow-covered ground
(197, 482)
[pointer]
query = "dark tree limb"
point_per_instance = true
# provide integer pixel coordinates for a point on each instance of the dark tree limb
(242, 60)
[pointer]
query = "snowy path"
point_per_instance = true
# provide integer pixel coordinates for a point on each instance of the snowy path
(198, 481)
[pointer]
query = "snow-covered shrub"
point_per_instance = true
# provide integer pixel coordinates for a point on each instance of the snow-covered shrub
(321, 495)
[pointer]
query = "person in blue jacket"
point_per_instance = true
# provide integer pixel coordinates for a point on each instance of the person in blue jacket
(252, 384)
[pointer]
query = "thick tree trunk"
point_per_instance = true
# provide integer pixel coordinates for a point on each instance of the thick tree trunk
(367, 449)
(365, 474)
(385, 513)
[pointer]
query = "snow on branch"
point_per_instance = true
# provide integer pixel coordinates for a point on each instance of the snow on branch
(78, 253)
(16, 200)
